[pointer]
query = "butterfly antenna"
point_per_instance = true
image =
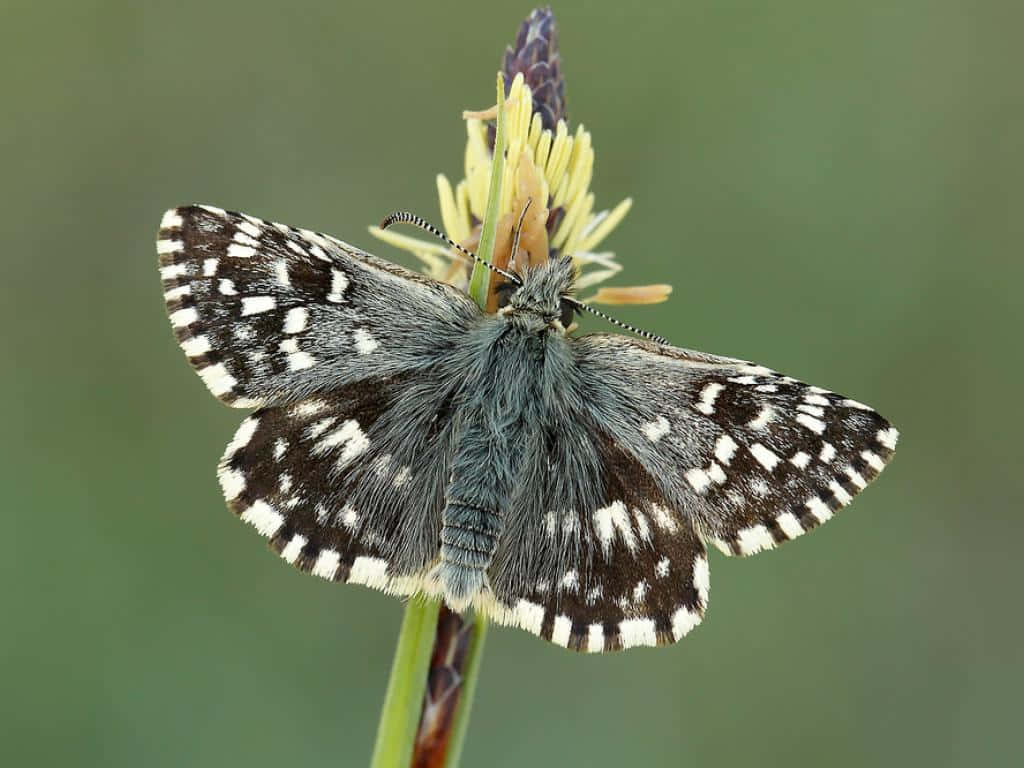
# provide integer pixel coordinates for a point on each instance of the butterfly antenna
(644, 334)
(404, 217)
(519, 231)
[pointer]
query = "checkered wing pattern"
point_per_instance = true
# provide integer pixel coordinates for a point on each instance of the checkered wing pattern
(267, 313)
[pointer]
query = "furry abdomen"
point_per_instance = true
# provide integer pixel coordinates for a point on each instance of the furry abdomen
(499, 402)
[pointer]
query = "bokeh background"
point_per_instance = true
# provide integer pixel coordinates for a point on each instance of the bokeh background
(833, 189)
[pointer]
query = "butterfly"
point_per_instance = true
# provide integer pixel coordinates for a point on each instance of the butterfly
(568, 485)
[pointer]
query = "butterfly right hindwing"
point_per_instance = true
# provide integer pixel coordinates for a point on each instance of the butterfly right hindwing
(339, 488)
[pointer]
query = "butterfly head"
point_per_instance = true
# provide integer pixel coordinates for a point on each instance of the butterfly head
(542, 300)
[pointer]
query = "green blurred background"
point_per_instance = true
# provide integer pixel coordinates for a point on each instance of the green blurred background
(833, 189)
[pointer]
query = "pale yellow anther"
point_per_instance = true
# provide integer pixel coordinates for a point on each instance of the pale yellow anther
(608, 223)
(552, 169)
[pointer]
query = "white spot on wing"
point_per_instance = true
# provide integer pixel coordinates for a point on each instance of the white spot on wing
(172, 271)
(855, 476)
(762, 419)
(196, 346)
(725, 449)
(595, 638)
(254, 305)
(661, 569)
(702, 578)
(295, 320)
(571, 581)
(888, 437)
(634, 632)
(249, 228)
(828, 452)
(297, 359)
(854, 404)
(611, 518)
(819, 509)
(754, 539)
(657, 429)
(640, 591)
(184, 317)
(339, 283)
(815, 425)
(365, 343)
(840, 493)
(264, 518)
(371, 571)
(169, 246)
(683, 620)
(349, 436)
(707, 398)
(209, 267)
(176, 293)
(562, 631)
(790, 524)
(327, 563)
(873, 459)
(217, 379)
(242, 436)
(293, 548)
(800, 460)
(663, 518)
(698, 478)
(530, 616)
(236, 251)
(170, 220)
(227, 287)
(232, 483)
(764, 456)
(281, 271)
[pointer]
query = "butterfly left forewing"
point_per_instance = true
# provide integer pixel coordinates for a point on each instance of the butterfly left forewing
(754, 457)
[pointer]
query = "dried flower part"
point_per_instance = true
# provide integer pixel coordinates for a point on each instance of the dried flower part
(550, 167)
(531, 221)
(632, 294)
(535, 56)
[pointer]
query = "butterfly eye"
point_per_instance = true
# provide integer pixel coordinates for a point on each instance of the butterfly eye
(504, 292)
(568, 308)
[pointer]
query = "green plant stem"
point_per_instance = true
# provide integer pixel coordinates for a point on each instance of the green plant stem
(400, 715)
(480, 280)
(406, 694)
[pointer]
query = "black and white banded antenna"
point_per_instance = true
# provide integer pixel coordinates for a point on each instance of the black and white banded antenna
(632, 328)
(404, 217)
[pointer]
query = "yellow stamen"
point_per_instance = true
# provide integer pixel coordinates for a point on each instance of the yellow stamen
(631, 294)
